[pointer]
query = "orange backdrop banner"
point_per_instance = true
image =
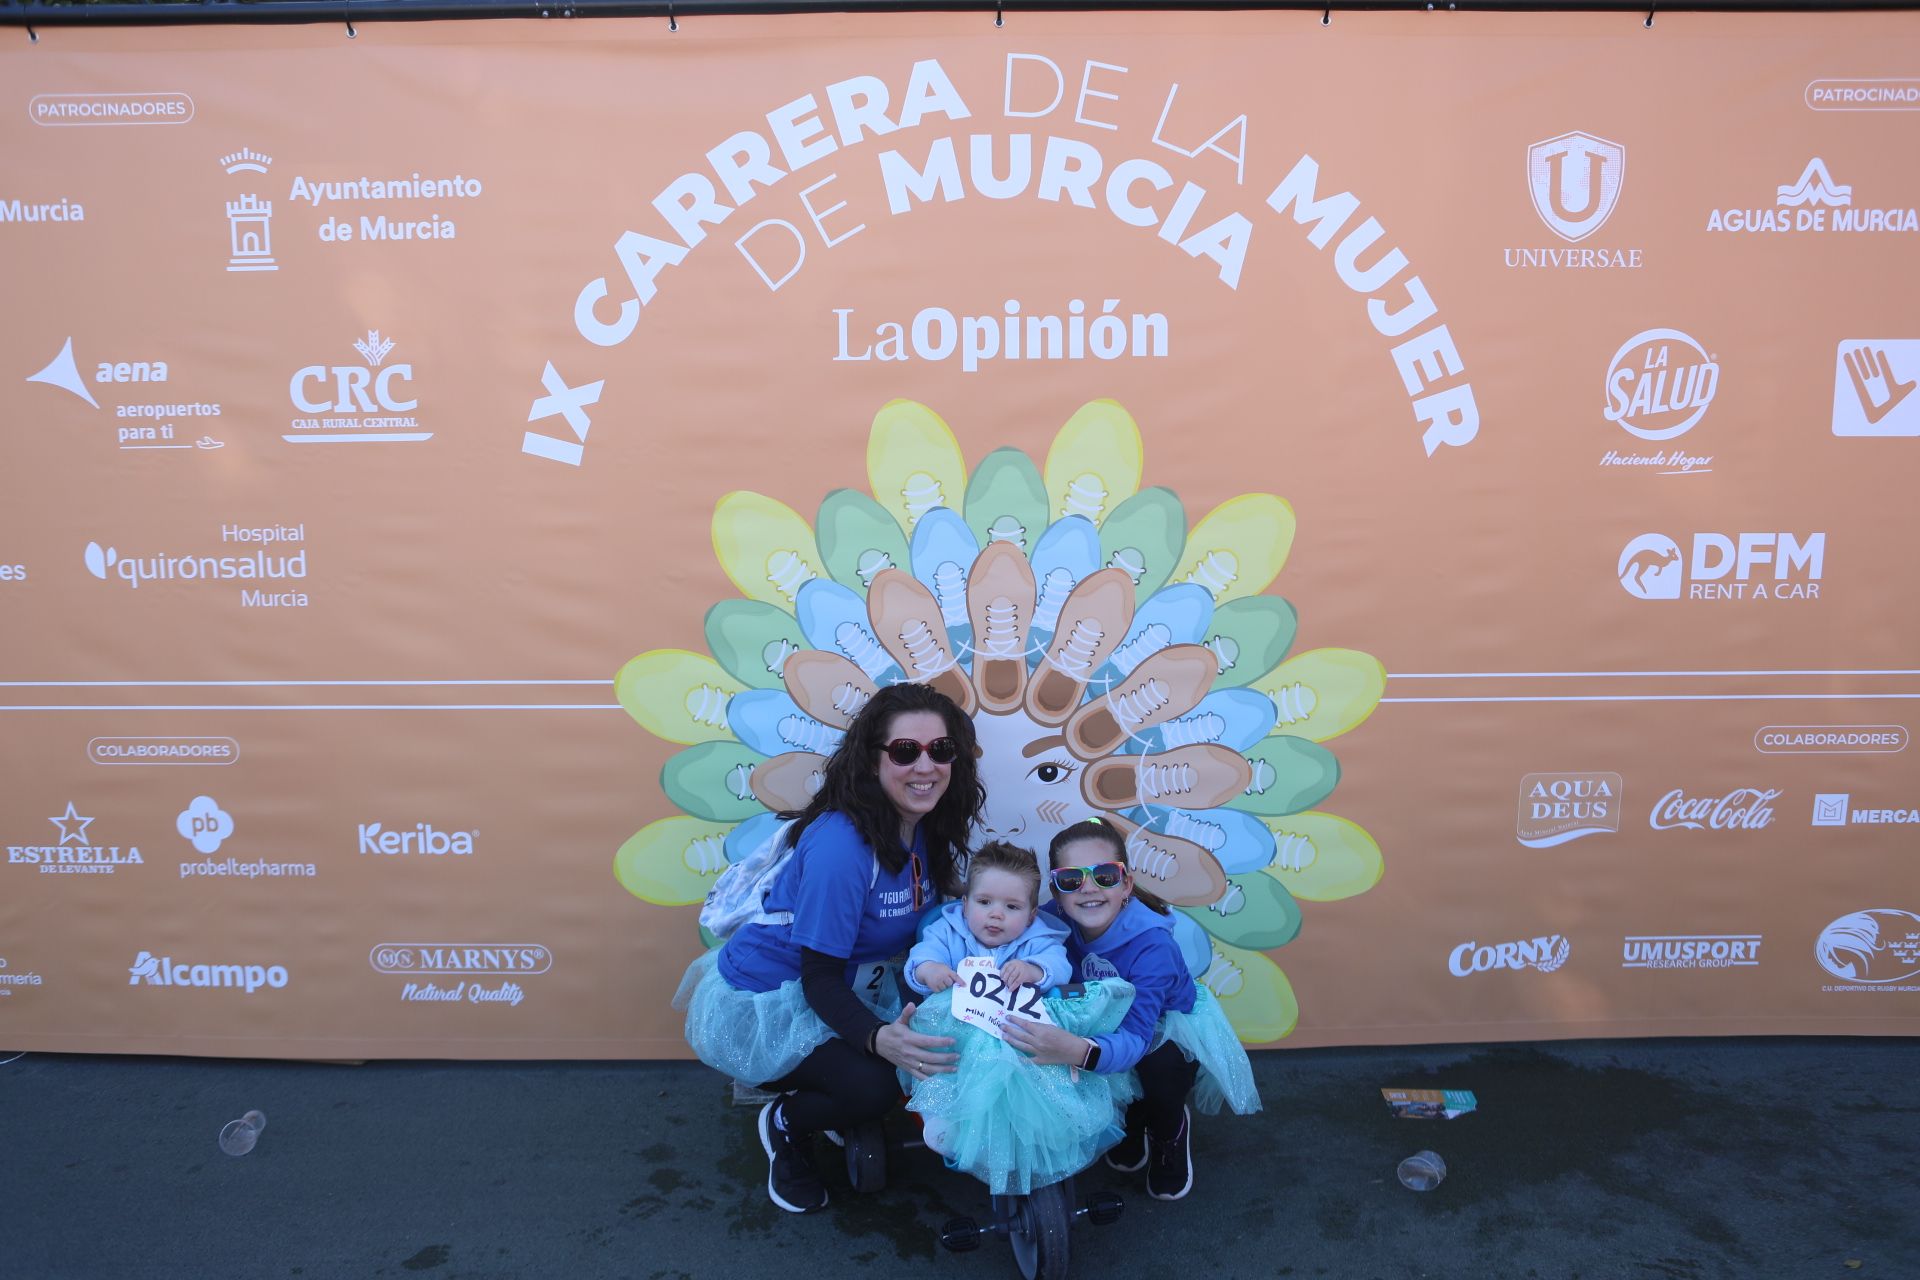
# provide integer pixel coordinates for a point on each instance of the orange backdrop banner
(461, 480)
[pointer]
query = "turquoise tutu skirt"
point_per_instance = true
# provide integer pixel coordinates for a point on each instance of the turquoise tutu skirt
(1009, 1122)
(1206, 1037)
(758, 1036)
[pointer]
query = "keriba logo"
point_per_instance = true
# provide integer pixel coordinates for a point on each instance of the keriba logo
(422, 837)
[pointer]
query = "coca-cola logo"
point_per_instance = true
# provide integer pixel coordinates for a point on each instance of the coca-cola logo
(1745, 809)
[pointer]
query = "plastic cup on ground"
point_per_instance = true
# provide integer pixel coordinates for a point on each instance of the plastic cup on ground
(1422, 1171)
(238, 1137)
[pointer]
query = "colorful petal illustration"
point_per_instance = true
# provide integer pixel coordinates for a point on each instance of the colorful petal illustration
(1111, 660)
(1324, 692)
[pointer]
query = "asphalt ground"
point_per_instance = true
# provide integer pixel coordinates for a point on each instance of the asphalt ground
(1673, 1159)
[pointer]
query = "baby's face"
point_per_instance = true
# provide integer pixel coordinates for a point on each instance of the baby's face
(999, 907)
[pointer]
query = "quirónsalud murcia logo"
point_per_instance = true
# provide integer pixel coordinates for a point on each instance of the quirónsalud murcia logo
(1114, 658)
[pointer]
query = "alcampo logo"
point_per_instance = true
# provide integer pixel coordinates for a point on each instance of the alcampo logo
(1724, 566)
(1575, 182)
(205, 824)
(422, 837)
(1659, 384)
(164, 971)
(1545, 954)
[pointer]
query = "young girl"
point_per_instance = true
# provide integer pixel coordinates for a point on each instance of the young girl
(1175, 1036)
(1011, 1123)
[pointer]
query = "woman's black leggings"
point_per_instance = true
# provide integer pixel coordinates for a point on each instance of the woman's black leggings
(837, 1087)
(1166, 1078)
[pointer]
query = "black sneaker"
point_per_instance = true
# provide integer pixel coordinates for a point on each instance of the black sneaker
(1129, 1155)
(1170, 1171)
(791, 1181)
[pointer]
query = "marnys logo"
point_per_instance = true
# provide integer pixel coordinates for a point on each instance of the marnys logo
(1743, 809)
(484, 959)
(1805, 206)
(1876, 946)
(1558, 807)
(1724, 566)
(1659, 385)
(204, 824)
(73, 855)
(1545, 954)
(1575, 182)
(259, 565)
(1873, 383)
(1691, 951)
(1835, 809)
(350, 391)
(63, 371)
(422, 837)
(163, 971)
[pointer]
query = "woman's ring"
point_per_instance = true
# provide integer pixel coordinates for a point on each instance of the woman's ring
(919, 1066)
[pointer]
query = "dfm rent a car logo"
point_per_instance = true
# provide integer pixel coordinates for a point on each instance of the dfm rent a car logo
(164, 971)
(1724, 566)
(1742, 809)
(204, 824)
(1659, 384)
(421, 838)
(1545, 954)
(1879, 945)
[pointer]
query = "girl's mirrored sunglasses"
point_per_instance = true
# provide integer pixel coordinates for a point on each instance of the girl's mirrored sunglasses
(904, 751)
(1069, 879)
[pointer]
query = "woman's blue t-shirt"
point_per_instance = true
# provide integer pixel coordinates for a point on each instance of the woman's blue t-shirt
(840, 907)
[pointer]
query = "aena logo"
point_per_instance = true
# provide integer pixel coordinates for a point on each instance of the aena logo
(1659, 384)
(351, 388)
(1722, 566)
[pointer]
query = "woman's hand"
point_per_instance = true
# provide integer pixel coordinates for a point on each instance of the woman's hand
(1045, 1044)
(1019, 973)
(935, 976)
(919, 1055)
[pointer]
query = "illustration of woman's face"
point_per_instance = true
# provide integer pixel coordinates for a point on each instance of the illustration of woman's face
(1032, 782)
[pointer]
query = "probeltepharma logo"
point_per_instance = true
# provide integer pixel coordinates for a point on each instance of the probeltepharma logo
(1873, 384)
(74, 854)
(1813, 205)
(1724, 566)
(1558, 807)
(165, 971)
(272, 570)
(367, 403)
(1575, 181)
(1873, 950)
(1545, 954)
(1836, 809)
(421, 838)
(12, 979)
(1659, 385)
(1742, 809)
(1691, 951)
(470, 963)
(204, 824)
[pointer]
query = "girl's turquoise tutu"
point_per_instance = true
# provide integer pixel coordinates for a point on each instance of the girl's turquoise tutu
(758, 1036)
(1012, 1124)
(1206, 1037)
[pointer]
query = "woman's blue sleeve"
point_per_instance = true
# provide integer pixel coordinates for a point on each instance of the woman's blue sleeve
(835, 876)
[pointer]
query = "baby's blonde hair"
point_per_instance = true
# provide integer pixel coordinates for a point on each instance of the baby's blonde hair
(998, 855)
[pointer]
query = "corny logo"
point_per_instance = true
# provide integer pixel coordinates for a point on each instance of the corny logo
(1545, 954)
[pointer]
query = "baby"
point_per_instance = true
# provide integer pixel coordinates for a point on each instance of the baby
(998, 918)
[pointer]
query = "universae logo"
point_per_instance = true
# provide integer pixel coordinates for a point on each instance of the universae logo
(1575, 182)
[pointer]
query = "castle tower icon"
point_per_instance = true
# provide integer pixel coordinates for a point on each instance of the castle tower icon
(250, 220)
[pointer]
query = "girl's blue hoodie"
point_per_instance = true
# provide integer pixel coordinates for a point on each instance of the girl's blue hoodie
(1139, 947)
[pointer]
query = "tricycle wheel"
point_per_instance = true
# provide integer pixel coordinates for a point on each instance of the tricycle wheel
(1037, 1230)
(867, 1158)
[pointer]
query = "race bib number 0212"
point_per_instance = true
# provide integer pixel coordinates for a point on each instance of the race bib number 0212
(982, 999)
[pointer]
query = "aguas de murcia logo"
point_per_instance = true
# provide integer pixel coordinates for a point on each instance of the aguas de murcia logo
(1813, 205)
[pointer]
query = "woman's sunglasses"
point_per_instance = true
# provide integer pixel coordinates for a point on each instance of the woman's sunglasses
(1069, 879)
(904, 751)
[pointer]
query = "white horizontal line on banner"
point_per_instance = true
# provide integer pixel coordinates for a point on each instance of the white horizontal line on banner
(266, 684)
(1581, 675)
(329, 706)
(1670, 697)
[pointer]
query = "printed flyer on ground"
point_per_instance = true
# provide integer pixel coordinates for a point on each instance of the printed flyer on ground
(1440, 484)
